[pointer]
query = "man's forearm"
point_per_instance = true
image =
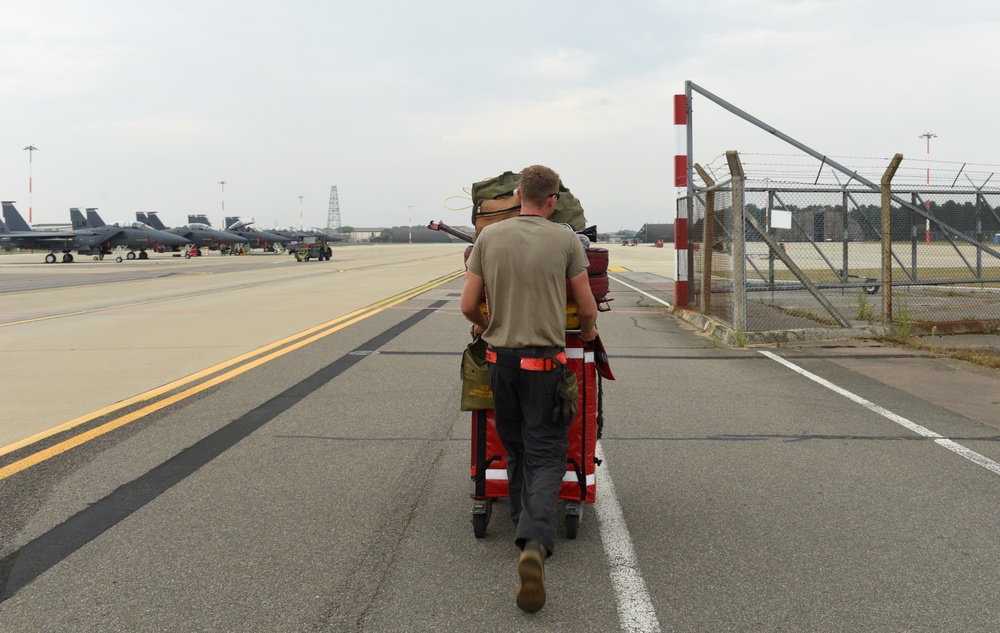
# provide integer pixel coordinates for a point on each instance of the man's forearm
(471, 291)
(478, 319)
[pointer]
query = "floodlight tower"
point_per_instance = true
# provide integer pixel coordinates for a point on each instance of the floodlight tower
(31, 150)
(223, 183)
(300, 214)
(928, 135)
(333, 216)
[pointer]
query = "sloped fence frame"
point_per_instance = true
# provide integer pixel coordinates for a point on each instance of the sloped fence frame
(718, 221)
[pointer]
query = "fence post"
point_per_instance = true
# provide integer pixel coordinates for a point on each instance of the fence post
(980, 202)
(914, 219)
(887, 236)
(705, 301)
(739, 245)
(847, 238)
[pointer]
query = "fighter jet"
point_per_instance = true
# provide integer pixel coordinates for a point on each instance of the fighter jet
(242, 226)
(125, 238)
(298, 238)
(267, 240)
(297, 235)
(199, 234)
(82, 239)
(20, 235)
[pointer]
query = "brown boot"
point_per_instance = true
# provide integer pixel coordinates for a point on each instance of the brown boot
(531, 568)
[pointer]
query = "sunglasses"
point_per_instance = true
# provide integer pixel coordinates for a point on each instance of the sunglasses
(555, 194)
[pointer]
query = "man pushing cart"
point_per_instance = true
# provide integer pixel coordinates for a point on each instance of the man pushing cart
(519, 272)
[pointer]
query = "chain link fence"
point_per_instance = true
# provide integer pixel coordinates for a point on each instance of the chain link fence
(825, 256)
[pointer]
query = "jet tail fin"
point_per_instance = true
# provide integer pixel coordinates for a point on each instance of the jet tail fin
(76, 219)
(154, 221)
(94, 220)
(13, 219)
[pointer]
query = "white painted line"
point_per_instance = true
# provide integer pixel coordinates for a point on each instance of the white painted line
(645, 294)
(635, 609)
(956, 448)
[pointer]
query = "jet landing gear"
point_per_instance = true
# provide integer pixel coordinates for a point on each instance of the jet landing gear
(129, 255)
(67, 258)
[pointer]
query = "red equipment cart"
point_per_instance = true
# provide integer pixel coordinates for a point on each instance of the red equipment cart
(579, 485)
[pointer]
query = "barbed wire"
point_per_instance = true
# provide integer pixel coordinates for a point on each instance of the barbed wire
(805, 170)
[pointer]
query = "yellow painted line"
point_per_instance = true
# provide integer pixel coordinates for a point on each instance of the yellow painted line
(333, 326)
(211, 370)
(618, 269)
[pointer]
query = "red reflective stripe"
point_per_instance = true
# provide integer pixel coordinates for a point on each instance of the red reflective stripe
(536, 364)
(680, 110)
(532, 364)
(543, 364)
(680, 171)
(681, 233)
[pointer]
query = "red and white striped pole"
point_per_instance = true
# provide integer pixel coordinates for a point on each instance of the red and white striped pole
(680, 182)
(681, 158)
(31, 149)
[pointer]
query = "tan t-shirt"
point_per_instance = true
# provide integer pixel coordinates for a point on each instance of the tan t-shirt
(525, 262)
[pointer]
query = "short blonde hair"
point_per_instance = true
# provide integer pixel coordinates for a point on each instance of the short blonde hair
(538, 183)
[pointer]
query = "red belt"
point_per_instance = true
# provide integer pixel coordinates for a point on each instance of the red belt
(533, 364)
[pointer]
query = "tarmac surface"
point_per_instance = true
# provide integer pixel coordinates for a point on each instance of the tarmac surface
(257, 444)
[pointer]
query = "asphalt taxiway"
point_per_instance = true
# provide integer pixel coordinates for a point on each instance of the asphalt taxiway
(284, 452)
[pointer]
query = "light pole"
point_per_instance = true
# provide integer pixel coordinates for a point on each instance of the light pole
(31, 150)
(409, 224)
(223, 183)
(927, 221)
(300, 214)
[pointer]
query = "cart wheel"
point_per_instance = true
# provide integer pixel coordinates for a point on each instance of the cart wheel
(482, 509)
(872, 289)
(572, 525)
(479, 525)
(574, 513)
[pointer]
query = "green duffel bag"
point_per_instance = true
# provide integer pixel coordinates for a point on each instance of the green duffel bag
(568, 209)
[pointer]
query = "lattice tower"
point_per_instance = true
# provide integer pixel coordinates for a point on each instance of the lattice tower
(333, 217)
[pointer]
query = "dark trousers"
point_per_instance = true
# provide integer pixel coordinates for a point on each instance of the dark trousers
(536, 448)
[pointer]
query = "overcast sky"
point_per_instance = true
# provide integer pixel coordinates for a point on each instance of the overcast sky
(139, 106)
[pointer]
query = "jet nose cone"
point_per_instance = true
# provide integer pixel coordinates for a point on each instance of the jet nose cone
(169, 239)
(225, 237)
